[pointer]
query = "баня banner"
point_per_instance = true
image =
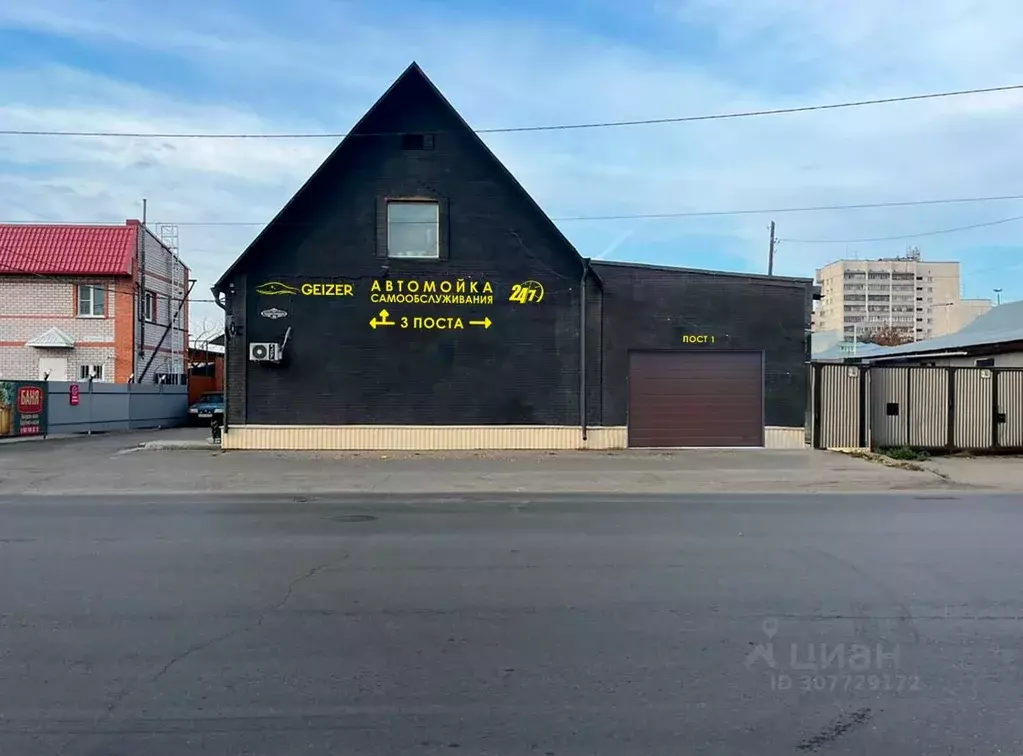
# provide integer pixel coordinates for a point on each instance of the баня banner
(22, 408)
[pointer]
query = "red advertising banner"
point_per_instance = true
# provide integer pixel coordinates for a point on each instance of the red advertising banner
(30, 400)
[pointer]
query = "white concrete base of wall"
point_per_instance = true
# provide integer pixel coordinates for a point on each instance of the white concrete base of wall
(778, 437)
(450, 437)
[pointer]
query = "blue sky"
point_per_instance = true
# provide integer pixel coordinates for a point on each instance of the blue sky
(316, 65)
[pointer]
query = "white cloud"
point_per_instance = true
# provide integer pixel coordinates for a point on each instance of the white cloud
(287, 73)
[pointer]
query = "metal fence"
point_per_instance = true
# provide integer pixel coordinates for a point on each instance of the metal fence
(951, 408)
(91, 406)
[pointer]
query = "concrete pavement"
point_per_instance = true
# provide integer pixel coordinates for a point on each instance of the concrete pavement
(117, 464)
(511, 625)
(183, 459)
(996, 472)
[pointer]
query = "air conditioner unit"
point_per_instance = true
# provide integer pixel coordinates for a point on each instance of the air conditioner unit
(265, 351)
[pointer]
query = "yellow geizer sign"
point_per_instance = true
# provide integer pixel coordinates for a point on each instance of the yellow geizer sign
(276, 288)
(697, 338)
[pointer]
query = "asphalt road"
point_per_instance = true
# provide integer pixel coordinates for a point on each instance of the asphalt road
(529, 625)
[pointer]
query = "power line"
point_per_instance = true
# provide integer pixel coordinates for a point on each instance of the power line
(807, 209)
(525, 129)
(905, 236)
(624, 216)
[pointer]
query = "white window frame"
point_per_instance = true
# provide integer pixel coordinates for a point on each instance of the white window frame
(149, 302)
(92, 300)
(429, 254)
(87, 371)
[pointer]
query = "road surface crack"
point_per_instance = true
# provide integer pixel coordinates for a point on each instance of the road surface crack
(259, 621)
(202, 646)
(906, 618)
(196, 649)
(294, 583)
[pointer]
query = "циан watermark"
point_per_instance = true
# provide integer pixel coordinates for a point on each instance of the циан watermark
(830, 668)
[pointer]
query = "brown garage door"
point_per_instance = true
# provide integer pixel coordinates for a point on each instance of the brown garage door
(696, 399)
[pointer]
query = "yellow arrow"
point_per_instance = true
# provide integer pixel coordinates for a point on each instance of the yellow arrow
(485, 322)
(384, 314)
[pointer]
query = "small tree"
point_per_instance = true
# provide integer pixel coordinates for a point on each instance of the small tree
(203, 331)
(887, 336)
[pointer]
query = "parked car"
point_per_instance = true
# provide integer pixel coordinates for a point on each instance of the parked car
(206, 407)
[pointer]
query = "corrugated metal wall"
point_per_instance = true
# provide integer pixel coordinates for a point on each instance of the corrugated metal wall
(889, 407)
(116, 406)
(1010, 403)
(839, 389)
(928, 407)
(974, 403)
(914, 405)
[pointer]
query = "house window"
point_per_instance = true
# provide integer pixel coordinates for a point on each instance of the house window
(986, 362)
(85, 372)
(92, 301)
(149, 304)
(413, 230)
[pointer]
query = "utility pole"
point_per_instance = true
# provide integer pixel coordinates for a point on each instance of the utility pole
(140, 292)
(998, 297)
(770, 254)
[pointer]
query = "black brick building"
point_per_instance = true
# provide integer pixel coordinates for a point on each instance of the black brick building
(412, 295)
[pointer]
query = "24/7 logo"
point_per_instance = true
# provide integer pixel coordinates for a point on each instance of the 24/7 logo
(527, 292)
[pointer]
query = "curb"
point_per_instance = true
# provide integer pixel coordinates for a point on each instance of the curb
(900, 464)
(205, 445)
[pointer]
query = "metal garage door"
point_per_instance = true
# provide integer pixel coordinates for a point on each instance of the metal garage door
(696, 399)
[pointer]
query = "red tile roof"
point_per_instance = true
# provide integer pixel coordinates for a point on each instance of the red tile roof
(67, 250)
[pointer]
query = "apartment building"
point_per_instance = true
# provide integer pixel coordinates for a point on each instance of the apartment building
(91, 302)
(919, 297)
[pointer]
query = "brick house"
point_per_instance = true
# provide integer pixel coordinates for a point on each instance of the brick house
(81, 301)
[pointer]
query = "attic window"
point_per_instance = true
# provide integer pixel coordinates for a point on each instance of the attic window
(417, 141)
(413, 229)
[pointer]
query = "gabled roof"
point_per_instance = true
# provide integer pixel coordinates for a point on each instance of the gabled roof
(54, 338)
(412, 73)
(65, 250)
